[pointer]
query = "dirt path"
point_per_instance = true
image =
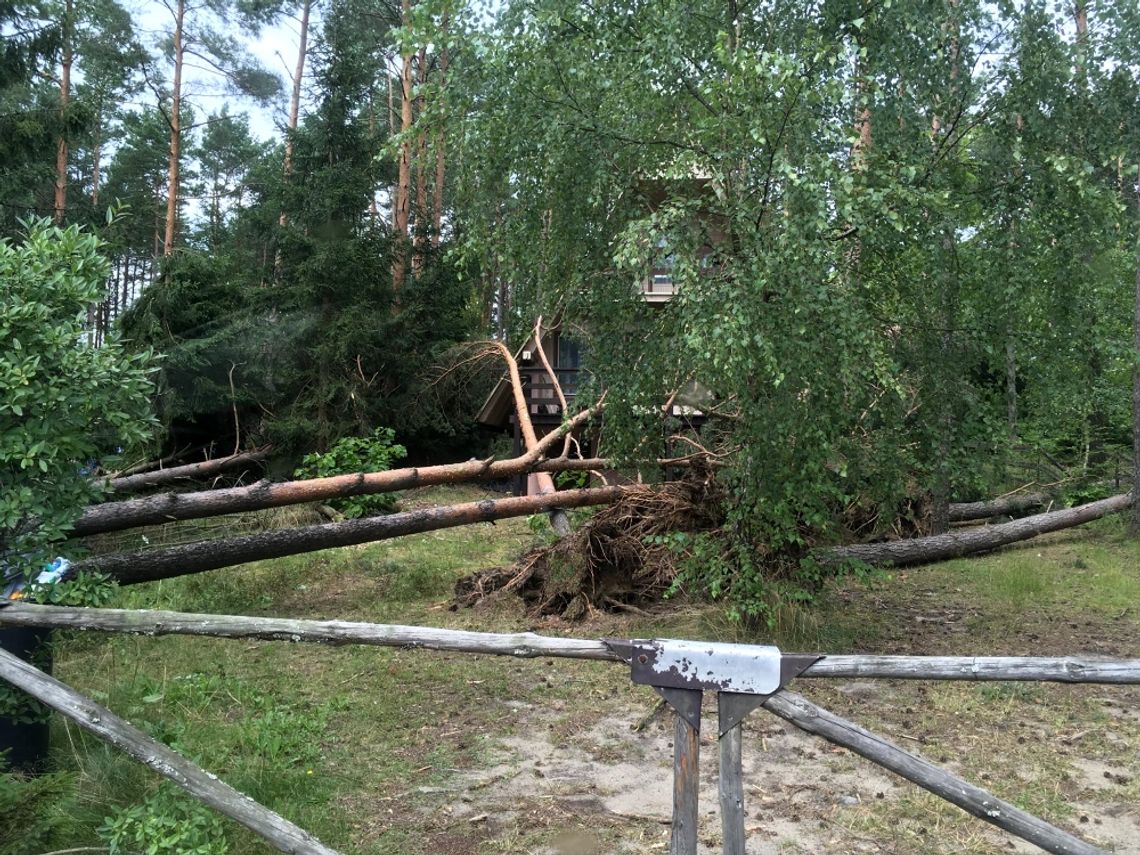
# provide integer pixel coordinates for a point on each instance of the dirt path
(606, 788)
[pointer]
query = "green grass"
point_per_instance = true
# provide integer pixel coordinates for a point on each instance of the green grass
(361, 745)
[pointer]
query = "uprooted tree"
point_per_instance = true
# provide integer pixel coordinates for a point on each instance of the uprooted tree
(647, 542)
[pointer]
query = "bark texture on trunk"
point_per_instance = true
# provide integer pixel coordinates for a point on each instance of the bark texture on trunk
(172, 181)
(131, 568)
(440, 144)
(420, 229)
(404, 175)
(939, 547)
(1135, 521)
(167, 507)
(543, 480)
(295, 97)
(64, 102)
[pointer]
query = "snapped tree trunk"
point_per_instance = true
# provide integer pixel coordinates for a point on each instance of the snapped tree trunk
(190, 470)
(134, 567)
(939, 547)
(544, 482)
(295, 98)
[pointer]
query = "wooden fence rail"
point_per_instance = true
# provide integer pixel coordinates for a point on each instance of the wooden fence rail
(790, 707)
(528, 645)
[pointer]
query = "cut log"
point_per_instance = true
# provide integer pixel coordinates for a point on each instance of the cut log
(190, 470)
(130, 568)
(939, 547)
(1005, 506)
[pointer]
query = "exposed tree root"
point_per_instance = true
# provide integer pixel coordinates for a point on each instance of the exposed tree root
(610, 563)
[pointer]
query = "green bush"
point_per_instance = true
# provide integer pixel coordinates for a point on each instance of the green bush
(64, 403)
(168, 822)
(374, 453)
(36, 809)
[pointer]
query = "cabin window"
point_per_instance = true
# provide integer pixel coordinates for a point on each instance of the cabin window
(569, 352)
(663, 265)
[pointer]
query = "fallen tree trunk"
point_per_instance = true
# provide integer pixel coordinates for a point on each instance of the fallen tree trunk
(147, 465)
(1005, 506)
(167, 507)
(190, 470)
(133, 567)
(939, 547)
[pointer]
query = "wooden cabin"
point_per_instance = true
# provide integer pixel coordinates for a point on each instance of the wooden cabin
(565, 352)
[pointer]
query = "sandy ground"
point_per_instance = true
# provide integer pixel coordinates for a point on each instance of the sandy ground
(608, 786)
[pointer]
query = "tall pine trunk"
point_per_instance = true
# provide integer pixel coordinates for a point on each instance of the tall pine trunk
(945, 404)
(295, 97)
(294, 120)
(440, 144)
(420, 228)
(64, 102)
(1136, 374)
(172, 190)
(404, 178)
(96, 160)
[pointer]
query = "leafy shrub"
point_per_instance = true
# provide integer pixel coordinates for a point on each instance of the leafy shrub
(166, 823)
(63, 402)
(753, 587)
(374, 453)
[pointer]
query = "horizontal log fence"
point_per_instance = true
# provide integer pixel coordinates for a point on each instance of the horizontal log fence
(737, 672)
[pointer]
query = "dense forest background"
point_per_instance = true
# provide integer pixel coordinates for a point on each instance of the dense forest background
(904, 235)
(262, 273)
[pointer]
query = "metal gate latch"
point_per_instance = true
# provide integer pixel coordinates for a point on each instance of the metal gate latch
(743, 676)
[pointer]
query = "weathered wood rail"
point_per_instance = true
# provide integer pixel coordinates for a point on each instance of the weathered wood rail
(787, 705)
